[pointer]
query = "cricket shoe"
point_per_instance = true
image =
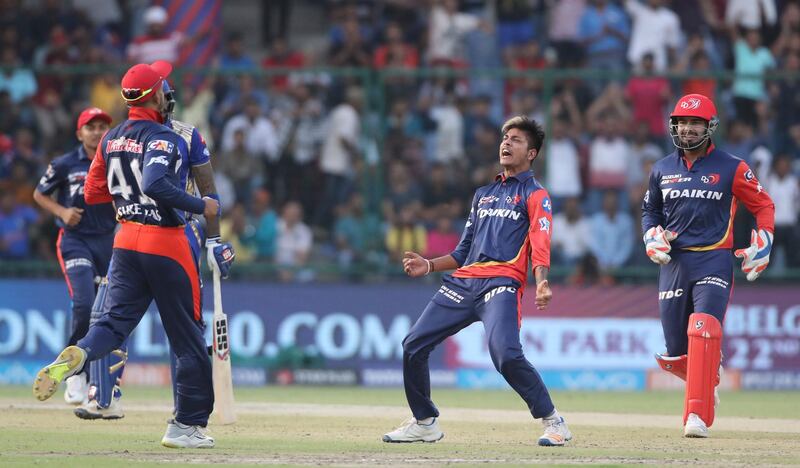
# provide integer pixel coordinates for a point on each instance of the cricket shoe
(92, 410)
(412, 431)
(556, 432)
(77, 391)
(68, 363)
(182, 436)
(695, 427)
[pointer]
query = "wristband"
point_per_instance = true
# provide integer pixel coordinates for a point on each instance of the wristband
(430, 267)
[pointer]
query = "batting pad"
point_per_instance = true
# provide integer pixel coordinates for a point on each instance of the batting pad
(702, 373)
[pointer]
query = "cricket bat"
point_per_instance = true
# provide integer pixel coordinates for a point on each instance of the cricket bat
(221, 368)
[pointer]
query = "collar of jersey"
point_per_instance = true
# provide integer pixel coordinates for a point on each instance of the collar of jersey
(521, 177)
(82, 154)
(143, 113)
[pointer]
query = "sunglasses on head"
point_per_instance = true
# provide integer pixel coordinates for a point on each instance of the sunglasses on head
(134, 94)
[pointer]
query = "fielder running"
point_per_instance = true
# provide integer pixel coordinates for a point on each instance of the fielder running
(142, 166)
(509, 223)
(687, 217)
(86, 233)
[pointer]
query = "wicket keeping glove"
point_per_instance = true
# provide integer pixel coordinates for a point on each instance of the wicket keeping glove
(656, 243)
(220, 256)
(756, 257)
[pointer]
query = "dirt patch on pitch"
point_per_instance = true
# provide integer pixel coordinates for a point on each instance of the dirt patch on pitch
(722, 423)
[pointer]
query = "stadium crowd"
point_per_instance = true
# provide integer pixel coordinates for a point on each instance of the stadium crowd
(311, 171)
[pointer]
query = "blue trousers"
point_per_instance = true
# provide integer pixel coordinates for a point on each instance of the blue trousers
(692, 282)
(82, 258)
(154, 263)
(459, 303)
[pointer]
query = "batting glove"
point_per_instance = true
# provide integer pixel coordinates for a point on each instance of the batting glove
(220, 256)
(656, 243)
(756, 257)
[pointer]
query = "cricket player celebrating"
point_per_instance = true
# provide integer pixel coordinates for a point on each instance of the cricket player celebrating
(687, 217)
(86, 233)
(509, 223)
(142, 166)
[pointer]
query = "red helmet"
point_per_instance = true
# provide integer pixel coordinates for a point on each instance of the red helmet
(693, 105)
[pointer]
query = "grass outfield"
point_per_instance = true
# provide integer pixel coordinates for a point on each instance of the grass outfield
(342, 427)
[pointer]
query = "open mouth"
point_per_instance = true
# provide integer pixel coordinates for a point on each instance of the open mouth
(505, 152)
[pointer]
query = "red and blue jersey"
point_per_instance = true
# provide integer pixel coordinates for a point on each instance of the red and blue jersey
(144, 167)
(698, 201)
(66, 174)
(510, 223)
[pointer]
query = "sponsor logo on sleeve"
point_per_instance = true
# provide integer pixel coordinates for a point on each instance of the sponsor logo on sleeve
(748, 176)
(544, 224)
(160, 145)
(547, 205)
(158, 160)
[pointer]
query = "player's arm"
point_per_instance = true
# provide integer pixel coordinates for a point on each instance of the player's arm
(416, 265)
(540, 219)
(52, 179)
(156, 185)
(203, 173)
(95, 188)
(749, 191)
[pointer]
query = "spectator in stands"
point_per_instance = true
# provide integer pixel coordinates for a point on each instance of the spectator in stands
(603, 31)
(340, 149)
(281, 56)
(648, 96)
(698, 62)
(405, 234)
(750, 58)
(438, 189)
(402, 191)
(395, 51)
(788, 40)
(234, 56)
(442, 239)
(242, 167)
(446, 28)
(294, 244)
(612, 236)
(357, 234)
(786, 101)
(751, 14)
(237, 229)
(571, 234)
(784, 187)
(18, 81)
(15, 224)
(642, 151)
(52, 120)
(656, 29)
(353, 51)
(260, 137)
(265, 219)
(514, 23)
(563, 174)
(157, 43)
(565, 18)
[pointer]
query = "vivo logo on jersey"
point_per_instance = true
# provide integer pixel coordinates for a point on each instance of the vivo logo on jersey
(496, 291)
(670, 294)
(123, 144)
(498, 212)
(694, 193)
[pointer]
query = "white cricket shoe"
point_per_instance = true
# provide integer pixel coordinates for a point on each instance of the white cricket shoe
(556, 432)
(77, 391)
(91, 410)
(182, 436)
(695, 427)
(412, 431)
(68, 363)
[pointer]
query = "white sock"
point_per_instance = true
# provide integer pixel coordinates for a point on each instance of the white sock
(553, 415)
(426, 421)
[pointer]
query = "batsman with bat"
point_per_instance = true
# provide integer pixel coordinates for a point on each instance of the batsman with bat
(142, 166)
(687, 218)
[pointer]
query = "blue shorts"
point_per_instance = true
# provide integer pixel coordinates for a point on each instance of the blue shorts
(692, 282)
